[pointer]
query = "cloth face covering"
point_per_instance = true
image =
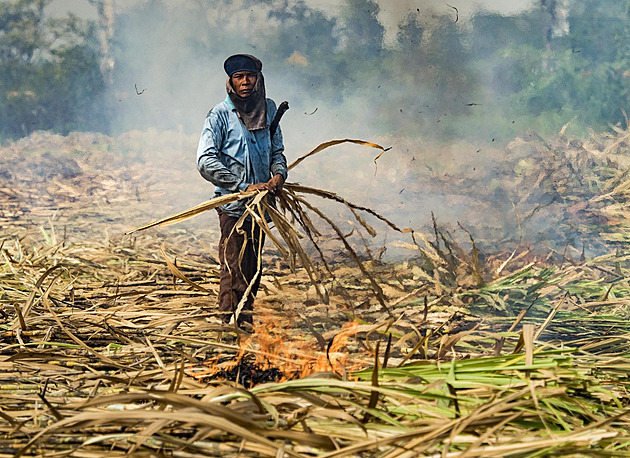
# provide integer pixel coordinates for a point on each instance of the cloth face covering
(252, 109)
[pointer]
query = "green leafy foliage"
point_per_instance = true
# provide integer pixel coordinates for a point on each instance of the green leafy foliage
(440, 76)
(50, 71)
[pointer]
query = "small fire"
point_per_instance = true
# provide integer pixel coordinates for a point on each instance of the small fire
(299, 355)
(335, 359)
(277, 347)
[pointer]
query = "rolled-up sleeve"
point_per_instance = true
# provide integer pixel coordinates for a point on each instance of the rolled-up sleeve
(208, 156)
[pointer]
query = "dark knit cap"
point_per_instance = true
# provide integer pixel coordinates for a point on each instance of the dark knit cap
(241, 63)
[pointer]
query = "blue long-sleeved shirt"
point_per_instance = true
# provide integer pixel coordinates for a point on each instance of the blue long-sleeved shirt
(232, 157)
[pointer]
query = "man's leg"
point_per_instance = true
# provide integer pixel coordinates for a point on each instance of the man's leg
(236, 275)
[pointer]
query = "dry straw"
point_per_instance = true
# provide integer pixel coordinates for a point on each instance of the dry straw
(103, 347)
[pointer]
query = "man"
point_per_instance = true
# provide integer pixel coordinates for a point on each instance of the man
(236, 153)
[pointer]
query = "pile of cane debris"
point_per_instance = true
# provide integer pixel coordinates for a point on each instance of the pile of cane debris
(110, 344)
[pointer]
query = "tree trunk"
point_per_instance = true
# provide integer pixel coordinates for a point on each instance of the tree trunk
(105, 10)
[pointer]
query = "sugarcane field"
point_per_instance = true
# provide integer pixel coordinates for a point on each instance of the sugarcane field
(405, 234)
(109, 343)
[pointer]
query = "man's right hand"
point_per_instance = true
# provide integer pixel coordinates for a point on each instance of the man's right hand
(276, 183)
(259, 187)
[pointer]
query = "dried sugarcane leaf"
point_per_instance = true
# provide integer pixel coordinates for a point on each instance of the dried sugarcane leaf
(330, 143)
(73, 337)
(31, 298)
(290, 236)
(146, 433)
(332, 196)
(287, 201)
(173, 268)
(96, 418)
(194, 211)
(375, 286)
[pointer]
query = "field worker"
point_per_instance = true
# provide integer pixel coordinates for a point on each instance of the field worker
(236, 153)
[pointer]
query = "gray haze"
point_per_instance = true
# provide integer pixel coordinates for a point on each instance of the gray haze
(155, 92)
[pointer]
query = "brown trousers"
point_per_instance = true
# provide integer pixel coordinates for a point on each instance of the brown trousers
(239, 256)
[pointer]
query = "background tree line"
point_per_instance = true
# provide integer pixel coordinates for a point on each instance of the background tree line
(440, 75)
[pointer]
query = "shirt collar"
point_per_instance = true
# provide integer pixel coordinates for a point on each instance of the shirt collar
(229, 102)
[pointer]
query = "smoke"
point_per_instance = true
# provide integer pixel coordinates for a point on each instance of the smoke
(328, 60)
(170, 54)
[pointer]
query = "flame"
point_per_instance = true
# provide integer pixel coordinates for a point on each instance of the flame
(335, 359)
(299, 355)
(276, 343)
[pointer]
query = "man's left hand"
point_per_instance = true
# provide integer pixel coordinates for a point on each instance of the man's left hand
(276, 183)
